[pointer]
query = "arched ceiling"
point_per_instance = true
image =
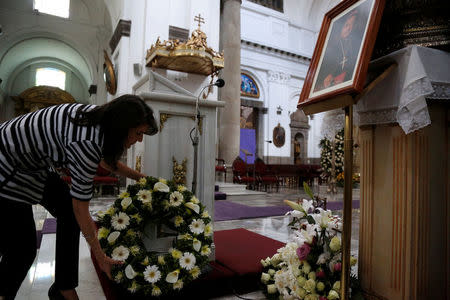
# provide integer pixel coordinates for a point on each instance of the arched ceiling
(33, 49)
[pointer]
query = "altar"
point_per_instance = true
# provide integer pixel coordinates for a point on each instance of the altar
(404, 140)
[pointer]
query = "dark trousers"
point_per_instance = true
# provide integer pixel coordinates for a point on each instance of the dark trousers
(18, 239)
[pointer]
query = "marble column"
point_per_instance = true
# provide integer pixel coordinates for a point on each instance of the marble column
(229, 128)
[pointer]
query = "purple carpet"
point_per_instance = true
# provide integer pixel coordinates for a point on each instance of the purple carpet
(49, 226)
(227, 210)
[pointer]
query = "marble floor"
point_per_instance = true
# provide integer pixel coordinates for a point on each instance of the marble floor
(41, 274)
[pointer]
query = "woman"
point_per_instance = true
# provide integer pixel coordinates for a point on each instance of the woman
(78, 138)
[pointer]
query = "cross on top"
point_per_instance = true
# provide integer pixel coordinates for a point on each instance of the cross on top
(199, 19)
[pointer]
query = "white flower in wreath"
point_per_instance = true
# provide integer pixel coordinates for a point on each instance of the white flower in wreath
(142, 181)
(195, 200)
(197, 226)
(152, 274)
(118, 278)
(205, 214)
(145, 196)
(124, 195)
(120, 221)
(195, 272)
(175, 199)
(120, 253)
(156, 291)
(178, 285)
(172, 277)
(175, 253)
(208, 229)
(178, 221)
(187, 261)
(196, 244)
(102, 233)
(161, 187)
(193, 206)
(125, 202)
(162, 180)
(129, 272)
(322, 218)
(113, 237)
(181, 188)
(205, 251)
(134, 287)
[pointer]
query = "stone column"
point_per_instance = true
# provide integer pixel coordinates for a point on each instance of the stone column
(229, 126)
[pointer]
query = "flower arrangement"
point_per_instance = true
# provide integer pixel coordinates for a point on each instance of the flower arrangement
(161, 202)
(309, 266)
(340, 179)
(326, 153)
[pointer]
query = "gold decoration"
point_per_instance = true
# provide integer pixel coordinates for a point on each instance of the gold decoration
(193, 56)
(38, 97)
(138, 163)
(179, 171)
(163, 117)
(109, 75)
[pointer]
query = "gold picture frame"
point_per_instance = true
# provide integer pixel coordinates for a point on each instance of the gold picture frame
(109, 75)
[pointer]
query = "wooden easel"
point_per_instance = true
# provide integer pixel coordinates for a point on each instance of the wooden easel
(346, 102)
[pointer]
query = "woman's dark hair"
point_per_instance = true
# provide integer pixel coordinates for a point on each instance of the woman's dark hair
(115, 119)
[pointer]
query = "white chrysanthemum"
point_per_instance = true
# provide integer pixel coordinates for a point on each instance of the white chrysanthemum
(178, 285)
(113, 237)
(208, 229)
(195, 272)
(161, 187)
(196, 244)
(145, 196)
(193, 206)
(176, 198)
(195, 200)
(172, 277)
(152, 274)
(124, 195)
(197, 226)
(120, 221)
(120, 253)
(129, 272)
(187, 261)
(102, 233)
(126, 202)
(156, 291)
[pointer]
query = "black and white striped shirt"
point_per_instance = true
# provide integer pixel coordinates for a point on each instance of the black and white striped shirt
(34, 143)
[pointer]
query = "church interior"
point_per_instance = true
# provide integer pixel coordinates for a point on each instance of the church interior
(226, 80)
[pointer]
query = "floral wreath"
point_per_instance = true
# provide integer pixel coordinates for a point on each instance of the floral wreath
(326, 153)
(162, 202)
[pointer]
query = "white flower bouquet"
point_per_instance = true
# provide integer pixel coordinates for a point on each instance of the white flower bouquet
(309, 266)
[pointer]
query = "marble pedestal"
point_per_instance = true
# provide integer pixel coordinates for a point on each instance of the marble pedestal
(404, 229)
(174, 110)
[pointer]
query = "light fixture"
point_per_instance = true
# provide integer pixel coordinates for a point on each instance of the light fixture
(279, 110)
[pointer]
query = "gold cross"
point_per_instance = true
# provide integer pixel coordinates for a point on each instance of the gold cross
(344, 60)
(199, 19)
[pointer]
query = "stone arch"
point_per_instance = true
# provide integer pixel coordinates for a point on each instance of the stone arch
(299, 137)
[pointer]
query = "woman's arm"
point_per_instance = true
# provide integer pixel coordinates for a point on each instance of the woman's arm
(89, 231)
(123, 170)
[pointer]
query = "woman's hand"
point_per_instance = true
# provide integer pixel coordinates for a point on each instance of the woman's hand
(105, 263)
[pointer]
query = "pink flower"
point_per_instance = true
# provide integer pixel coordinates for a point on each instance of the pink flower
(320, 273)
(322, 298)
(338, 267)
(303, 251)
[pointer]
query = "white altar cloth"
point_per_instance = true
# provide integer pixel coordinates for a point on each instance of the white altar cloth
(400, 98)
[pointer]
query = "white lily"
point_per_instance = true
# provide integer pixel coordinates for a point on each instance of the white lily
(125, 202)
(112, 237)
(129, 272)
(193, 206)
(161, 187)
(172, 277)
(196, 244)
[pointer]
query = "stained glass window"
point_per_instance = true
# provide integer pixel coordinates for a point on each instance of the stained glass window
(248, 86)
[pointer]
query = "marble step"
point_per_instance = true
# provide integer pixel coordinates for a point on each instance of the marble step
(232, 189)
(42, 273)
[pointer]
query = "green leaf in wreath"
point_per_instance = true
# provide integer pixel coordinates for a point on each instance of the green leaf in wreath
(310, 219)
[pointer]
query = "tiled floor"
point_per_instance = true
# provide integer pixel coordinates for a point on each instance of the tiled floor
(41, 274)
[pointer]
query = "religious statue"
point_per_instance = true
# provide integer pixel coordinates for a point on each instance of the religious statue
(179, 171)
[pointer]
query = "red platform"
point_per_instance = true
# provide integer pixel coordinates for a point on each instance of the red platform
(237, 268)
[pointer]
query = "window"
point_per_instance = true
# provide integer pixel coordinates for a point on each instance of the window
(51, 77)
(248, 86)
(273, 4)
(58, 8)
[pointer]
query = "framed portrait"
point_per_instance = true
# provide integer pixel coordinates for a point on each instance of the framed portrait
(343, 50)
(279, 136)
